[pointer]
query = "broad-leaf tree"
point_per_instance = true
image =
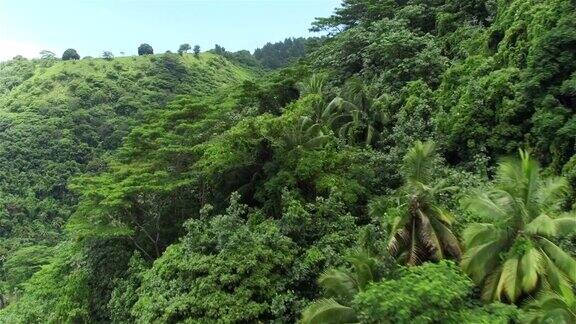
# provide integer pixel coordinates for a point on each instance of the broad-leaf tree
(70, 54)
(184, 48)
(145, 49)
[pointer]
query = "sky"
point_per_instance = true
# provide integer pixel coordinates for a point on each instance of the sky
(94, 26)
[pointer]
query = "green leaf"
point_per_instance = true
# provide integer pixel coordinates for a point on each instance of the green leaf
(338, 283)
(531, 266)
(328, 311)
(561, 259)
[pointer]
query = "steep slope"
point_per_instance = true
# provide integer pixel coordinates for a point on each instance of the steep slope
(337, 178)
(60, 118)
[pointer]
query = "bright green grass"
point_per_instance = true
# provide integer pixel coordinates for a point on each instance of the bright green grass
(120, 77)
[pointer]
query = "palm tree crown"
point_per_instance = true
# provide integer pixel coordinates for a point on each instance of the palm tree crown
(357, 116)
(515, 255)
(420, 229)
(552, 307)
(305, 134)
(340, 287)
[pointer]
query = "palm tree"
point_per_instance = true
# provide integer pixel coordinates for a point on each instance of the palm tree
(306, 134)
(316, 84)
(314, 89)
(515, 254)
(420, 229)
(552, 307)
(356, 115)
(340, 287)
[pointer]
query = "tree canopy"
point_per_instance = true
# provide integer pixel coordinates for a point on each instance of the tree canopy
(184, 48)
(145, 49)
(70, 54)
(416, 163)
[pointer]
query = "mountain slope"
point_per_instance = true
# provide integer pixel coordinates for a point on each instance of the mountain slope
(334, 180)
(60, 118)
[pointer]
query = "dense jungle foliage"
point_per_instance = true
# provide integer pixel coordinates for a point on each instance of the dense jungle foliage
(417, 165)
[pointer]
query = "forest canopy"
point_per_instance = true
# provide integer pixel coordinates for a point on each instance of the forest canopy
(417, 164)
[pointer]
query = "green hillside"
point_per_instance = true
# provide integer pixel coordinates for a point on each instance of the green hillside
(61, 118)
(418, 165)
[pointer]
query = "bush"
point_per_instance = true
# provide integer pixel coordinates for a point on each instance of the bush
(225, 269)
(431, 293)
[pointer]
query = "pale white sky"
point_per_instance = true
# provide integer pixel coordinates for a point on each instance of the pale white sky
(94, 26)
(10, 48)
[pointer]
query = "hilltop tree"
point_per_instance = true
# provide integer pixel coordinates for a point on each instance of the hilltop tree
(107, 55)
(184, 48)
(47, 55)
(70, 54)
(219, 50)
(145, 49)
(196, 51)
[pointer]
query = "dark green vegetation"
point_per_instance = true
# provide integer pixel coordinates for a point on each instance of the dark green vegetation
(366, 182)
(145, 49)
(60, 119)
(276, 55)
(70, 54)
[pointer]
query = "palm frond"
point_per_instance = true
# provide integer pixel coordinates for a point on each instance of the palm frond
(398, 241)
(370, 134)
(480, 233)
(338, 283)
(449, 241)
(509, 278)
(333, 107)
(441, 187)
(491, 206)
(479, 261)
(314, 85)
(509, 176)
(415, 251)
(560, 258)
(429, 238)
(556, 280)
(542, 225)
(328, 311)
(400, 234)
(364, 268)
(566, 224)
(309, 128)
(520, 178)
(552, 192)
(532, 266)
(443, 215)
(490, 284)
(417, 162)
(317, 142)
(552, 307)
